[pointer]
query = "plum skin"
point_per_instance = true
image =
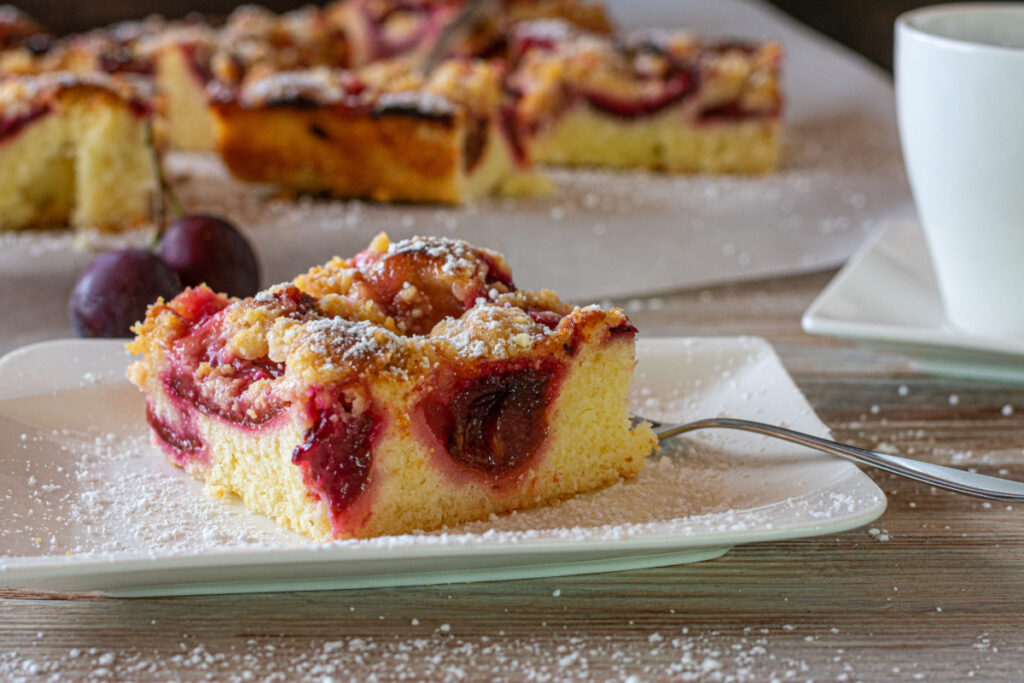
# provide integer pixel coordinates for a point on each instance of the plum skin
(115, 290)
(208, 250)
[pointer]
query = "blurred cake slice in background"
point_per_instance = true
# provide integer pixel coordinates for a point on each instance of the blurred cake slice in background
(384, 132)
(75, 150)
(384, 29)
(661, 100)
(188, 58)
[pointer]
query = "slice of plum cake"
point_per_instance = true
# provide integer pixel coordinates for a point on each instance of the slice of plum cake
(408, 388)
(664, 100)
(76, 150)
(385, 132)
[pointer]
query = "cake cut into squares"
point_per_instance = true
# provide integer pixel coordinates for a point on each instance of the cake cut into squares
(77, 151)
(187, 58)
(663, 100)
(384, 132)
(407, 388)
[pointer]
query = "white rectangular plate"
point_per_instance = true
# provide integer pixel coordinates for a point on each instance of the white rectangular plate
(86, 503)
(842, 174)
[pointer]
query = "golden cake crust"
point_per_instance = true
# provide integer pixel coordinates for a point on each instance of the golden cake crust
(386, 132)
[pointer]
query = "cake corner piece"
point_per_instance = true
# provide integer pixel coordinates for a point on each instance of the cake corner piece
(409, 388)
(77, 150)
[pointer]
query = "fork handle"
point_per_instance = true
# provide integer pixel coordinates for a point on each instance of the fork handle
(939, 476)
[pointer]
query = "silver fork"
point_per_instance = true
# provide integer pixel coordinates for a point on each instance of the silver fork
(939, 476)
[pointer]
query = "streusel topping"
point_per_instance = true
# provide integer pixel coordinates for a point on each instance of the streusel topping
(394, 312)
(555, 59)
(19, 95)
(396, 84)
(415, 282)
(490, 330)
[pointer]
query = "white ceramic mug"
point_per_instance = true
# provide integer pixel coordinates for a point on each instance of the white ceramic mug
(960, 101)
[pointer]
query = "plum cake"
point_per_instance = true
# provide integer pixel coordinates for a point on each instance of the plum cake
(407, 388)
(663, 100)
(75, 150)
(384, 132)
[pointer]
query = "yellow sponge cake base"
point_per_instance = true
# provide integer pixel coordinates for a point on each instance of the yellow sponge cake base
(666, 141)
(590, 445)
(87, 163)
(188, 120)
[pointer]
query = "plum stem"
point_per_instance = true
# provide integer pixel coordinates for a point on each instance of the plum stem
(167, 193)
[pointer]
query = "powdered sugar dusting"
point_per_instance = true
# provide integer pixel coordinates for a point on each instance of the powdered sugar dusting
(534, 650)
(349, 341)
(421, 101)
(99, 493)
(833, 190)
(319, 85)
(458, 255)
(115, 494)
(489, 330)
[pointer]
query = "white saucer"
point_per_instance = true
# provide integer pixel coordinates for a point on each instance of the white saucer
(887, 298)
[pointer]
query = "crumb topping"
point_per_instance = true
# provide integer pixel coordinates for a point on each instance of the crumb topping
(392, 312)
(416, 282)
(256, 37)
(490, 330)
(22, 94)
(639, 73)
(115, 49)
(382, 87)
(454, 258)
(330, 350)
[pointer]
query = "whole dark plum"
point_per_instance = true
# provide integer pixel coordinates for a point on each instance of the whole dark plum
(116, 288)
(207, 249)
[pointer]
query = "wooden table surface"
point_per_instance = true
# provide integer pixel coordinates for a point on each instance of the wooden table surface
(929, 592)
